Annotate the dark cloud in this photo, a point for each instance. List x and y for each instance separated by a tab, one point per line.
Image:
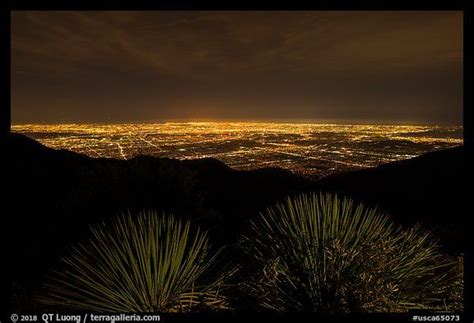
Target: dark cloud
135	66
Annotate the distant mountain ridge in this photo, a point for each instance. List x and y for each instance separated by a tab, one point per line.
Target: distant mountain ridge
420	179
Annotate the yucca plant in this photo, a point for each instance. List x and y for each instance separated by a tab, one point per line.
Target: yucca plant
319	252
145	263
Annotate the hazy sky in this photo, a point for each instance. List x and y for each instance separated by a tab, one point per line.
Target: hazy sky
151	66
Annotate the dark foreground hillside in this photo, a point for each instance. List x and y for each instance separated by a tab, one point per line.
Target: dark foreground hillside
53	196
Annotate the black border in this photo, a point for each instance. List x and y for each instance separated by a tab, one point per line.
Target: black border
466	6
469	154
240	5
5	111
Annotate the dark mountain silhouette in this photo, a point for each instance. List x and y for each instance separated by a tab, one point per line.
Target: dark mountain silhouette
429	189
55	195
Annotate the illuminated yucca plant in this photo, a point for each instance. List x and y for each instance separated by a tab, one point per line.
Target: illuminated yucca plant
149	262
318	252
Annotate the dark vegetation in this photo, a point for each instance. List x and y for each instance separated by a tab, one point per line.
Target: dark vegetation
321	253
53	198
145	262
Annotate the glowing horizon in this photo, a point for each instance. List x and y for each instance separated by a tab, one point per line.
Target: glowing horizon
262	121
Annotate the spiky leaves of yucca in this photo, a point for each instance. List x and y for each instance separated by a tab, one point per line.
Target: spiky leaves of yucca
318	252
143	263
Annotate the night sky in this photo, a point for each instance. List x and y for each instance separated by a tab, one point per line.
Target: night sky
389	67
